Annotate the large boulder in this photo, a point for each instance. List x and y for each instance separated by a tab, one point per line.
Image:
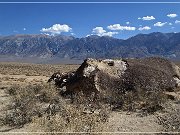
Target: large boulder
109	76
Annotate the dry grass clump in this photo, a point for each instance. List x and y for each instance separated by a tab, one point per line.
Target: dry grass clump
28	101
141	89
41	105
143	85
147	78
145	102
157	63
83	114
170	119
74	119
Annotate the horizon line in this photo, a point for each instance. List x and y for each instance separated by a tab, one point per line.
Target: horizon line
89	36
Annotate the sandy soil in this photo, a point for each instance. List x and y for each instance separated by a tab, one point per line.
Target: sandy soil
133	122
118	121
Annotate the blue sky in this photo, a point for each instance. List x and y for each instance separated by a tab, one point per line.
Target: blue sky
80	20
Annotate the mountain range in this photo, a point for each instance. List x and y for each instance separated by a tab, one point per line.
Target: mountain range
61	46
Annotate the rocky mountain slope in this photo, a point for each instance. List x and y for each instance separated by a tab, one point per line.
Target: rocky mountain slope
44	46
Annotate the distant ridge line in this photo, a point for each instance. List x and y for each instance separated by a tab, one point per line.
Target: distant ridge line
142	45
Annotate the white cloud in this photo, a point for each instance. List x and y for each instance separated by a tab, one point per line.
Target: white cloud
101	32
177	21
46	34
73	34
24	29
146	18
119	27
144	28
57	29
170	24
98	30
127	23
159	24
110	34
172	15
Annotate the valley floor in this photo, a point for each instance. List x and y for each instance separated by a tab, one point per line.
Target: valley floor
119	121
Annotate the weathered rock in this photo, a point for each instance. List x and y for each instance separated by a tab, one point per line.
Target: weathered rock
107	76
177	81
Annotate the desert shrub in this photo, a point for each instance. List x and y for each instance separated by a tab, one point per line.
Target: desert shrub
27	102
147	78
158	63
12	90
170	119
140	100
42	105
73	118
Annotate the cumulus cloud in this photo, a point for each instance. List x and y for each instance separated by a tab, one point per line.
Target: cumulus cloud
172	15
170	24
147	18
144	28
24	29
101	32
177	21
127	23
57	29
98	30
159	24
110	34
119	27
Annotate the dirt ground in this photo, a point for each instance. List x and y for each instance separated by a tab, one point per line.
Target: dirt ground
119	121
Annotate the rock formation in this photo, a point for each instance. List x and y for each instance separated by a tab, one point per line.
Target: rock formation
109	76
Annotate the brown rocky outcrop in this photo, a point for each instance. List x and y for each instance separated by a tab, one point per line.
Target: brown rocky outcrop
109	76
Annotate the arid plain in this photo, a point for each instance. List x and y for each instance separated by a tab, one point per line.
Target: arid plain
16	78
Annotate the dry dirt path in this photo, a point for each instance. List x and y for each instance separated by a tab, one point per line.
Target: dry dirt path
133	122
20	79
